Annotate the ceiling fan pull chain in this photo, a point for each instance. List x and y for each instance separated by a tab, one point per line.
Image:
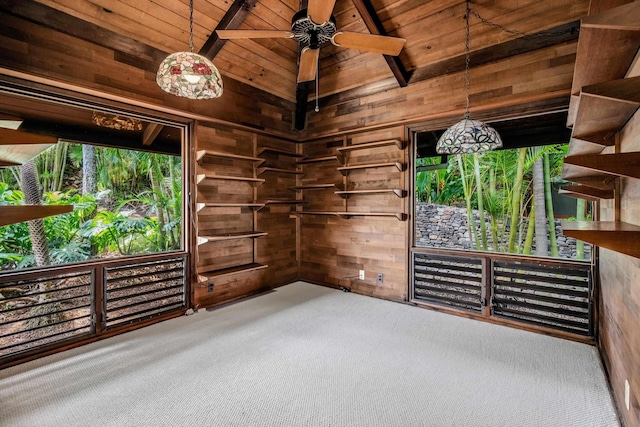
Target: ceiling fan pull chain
317	109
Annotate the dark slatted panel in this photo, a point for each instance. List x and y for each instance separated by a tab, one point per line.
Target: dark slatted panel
44	310
553	296
141	291
448	280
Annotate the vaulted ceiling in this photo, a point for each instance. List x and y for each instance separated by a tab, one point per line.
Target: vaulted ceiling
434	32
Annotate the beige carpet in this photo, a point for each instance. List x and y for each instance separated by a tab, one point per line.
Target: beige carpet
305	355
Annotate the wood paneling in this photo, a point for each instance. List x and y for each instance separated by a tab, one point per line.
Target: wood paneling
333	249
125	67
536	74
619	321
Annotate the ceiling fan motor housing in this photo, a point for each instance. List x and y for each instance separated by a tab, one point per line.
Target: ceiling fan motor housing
309	33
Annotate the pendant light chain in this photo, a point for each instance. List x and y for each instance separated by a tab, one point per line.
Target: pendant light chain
467	61
190	25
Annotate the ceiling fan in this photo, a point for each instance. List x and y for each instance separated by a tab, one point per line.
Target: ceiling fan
315	26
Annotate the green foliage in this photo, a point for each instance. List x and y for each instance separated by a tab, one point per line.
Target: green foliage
120	219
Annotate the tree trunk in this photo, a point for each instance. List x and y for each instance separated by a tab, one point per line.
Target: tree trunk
32	196
515	201
530	231
549	205
483	226
89	169
580	208
155	175
473	235
542	247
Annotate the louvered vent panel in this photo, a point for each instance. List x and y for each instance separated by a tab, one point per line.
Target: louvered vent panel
553	296
448	280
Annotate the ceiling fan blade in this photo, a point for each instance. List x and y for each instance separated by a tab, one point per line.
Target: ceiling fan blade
319	11
308	64
254	34
369	42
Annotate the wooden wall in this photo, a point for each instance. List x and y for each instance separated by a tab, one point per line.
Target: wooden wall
619	321
542	74
335	248
276	250
127	68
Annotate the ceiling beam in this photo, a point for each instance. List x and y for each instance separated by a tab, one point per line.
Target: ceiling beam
374	24
150	133
231	20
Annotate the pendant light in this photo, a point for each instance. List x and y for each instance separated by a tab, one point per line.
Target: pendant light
189	74
468	136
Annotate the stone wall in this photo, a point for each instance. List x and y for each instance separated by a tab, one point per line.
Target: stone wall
446	227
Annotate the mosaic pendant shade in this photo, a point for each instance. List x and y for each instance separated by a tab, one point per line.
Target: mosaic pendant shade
189	75
468	136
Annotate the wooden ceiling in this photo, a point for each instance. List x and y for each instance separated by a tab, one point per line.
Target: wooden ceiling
434	30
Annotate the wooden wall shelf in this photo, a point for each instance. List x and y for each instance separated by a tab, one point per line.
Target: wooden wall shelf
231	236
614	235
344	170
604	109
399	215
284	202
398	143
317	160
397	191
201	206
252	181
278	151
621	164
607	45
202	154
16	214
313	187
279	170
18	147
216	274
586	193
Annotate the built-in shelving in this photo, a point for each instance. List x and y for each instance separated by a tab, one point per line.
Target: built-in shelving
317	160
614	235
279	170
313	187
398	143
203	154
16	214
231	236
397	191
620	164
216	274
604	108
278	152
344	170
252	181
201	206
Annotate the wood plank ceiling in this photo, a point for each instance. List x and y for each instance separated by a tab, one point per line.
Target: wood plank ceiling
434	30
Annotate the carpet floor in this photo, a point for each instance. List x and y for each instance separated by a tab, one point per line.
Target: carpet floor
306	355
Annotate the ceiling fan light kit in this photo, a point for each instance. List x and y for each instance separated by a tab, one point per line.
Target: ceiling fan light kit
189	74
468	136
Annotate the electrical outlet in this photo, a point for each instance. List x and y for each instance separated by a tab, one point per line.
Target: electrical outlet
361	275
379	277
627	394
210	287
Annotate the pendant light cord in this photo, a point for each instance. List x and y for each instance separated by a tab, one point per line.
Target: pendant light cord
190	25
467	61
